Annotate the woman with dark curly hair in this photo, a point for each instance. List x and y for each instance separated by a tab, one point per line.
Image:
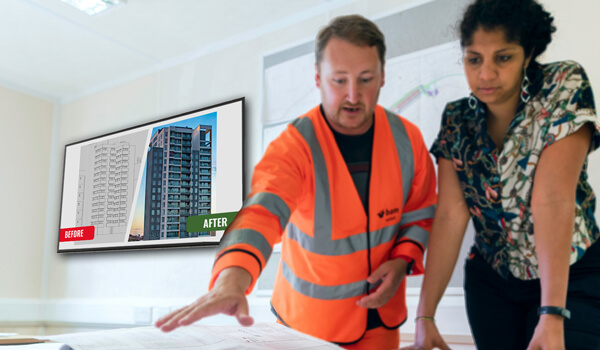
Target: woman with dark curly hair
513	157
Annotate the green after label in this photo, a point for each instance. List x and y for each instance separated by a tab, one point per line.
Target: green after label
210	222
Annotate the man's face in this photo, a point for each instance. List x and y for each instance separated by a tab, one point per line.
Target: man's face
349	77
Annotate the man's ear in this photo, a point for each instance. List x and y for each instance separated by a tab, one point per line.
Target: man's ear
317	76
382	77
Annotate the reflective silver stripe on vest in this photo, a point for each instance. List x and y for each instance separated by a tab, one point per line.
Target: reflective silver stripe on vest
322	213
342	291
405	152
273	203
417	215
415	233
247	236
342	246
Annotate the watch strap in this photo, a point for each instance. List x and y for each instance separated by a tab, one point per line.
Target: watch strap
554	310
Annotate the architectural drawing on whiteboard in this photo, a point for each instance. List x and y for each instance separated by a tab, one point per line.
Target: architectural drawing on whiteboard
108	177
417	86
290	89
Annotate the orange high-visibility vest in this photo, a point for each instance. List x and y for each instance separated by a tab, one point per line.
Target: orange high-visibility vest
303	195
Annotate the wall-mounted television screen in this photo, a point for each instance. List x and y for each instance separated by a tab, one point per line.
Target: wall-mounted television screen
170	183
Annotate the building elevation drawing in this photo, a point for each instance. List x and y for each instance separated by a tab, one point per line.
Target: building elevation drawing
108	176
178	181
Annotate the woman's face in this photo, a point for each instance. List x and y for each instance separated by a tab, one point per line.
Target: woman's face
494	68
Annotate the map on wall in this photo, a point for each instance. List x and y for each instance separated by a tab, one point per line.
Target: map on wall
417	86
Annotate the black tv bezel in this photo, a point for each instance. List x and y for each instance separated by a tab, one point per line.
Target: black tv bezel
134	247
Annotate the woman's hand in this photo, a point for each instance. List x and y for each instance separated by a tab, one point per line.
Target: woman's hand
427	337
549	334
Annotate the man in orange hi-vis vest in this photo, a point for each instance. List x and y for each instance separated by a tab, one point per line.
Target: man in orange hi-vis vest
349	190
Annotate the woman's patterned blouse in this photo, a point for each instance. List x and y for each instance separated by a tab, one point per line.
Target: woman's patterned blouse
497	184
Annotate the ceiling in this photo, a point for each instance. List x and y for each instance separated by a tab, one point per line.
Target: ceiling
54	51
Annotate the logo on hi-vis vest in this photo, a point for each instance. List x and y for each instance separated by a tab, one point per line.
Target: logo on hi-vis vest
387	213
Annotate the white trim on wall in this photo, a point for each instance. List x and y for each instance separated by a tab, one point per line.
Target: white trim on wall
128	312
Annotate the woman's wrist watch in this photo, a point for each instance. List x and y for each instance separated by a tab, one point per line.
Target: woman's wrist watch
554	310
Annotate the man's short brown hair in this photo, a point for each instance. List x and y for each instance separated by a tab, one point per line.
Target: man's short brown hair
354	29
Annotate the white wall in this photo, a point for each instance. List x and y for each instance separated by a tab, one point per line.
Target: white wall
26	126
577	28
113	287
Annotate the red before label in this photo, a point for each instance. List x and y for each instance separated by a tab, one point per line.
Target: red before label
84	233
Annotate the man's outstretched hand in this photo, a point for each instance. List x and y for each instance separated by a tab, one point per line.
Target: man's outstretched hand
227	297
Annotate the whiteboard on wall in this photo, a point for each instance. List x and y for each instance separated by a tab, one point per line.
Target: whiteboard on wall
423	72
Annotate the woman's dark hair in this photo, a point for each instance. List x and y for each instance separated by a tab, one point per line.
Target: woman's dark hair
523	21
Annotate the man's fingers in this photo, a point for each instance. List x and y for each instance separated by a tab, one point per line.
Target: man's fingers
245	320
371	301
378	274
365	301
171	321
379	297
235	307
187	314
204	309
370	304
242	313
163	320
227	297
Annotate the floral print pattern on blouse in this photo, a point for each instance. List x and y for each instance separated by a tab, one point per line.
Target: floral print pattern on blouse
498	184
